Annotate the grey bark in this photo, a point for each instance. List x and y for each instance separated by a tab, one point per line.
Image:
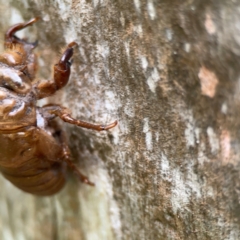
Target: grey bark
169	72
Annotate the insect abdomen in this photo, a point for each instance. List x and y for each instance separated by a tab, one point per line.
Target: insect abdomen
43	182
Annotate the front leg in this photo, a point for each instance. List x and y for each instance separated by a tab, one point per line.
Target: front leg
10	37
62	72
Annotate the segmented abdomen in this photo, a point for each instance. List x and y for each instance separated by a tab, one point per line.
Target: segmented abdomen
38	181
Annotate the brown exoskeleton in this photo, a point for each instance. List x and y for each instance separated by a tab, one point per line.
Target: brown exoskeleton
33	152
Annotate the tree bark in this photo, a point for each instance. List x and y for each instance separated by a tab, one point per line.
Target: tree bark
168	71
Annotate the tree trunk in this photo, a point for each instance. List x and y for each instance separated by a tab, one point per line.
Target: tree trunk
168	71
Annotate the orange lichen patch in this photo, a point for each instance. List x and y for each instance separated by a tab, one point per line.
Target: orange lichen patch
225	142
208	81
209	24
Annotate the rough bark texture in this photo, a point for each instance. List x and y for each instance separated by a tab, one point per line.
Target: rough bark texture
169	72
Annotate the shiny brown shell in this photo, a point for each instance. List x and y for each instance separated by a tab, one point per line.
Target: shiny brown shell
34	154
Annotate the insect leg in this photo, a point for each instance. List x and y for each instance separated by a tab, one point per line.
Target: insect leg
67	155
71	165
11	38
62	72
65	115
62	68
